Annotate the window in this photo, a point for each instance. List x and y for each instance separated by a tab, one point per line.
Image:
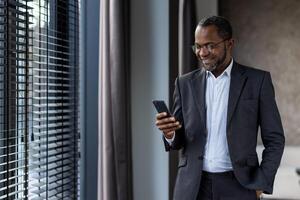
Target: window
39	135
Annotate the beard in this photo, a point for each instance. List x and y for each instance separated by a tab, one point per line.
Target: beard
217	63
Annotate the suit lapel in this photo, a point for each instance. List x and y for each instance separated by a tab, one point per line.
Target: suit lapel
198	91
237	82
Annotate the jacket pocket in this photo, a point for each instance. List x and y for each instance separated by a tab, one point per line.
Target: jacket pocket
182	161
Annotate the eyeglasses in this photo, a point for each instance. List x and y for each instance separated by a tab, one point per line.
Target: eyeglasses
209	47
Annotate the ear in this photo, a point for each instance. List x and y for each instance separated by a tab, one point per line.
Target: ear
231	43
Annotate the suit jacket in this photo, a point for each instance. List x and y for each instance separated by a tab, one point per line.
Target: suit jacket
251	105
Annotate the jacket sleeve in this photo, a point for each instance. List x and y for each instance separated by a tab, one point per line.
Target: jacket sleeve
271	131
179	139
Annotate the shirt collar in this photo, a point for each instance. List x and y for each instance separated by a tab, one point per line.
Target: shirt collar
227	71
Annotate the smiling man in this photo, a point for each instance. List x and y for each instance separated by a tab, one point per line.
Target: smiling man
216	115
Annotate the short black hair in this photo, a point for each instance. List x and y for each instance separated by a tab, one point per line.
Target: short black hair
222	24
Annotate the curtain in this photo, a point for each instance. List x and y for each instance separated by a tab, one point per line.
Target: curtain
114	153
186	28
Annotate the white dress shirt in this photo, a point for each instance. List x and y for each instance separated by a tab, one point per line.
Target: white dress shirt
216	155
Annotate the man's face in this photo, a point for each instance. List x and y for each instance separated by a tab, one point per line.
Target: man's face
212	50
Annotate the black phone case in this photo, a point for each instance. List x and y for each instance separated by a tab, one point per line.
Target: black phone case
161	106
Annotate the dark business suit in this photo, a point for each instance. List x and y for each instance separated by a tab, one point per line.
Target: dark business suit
251	104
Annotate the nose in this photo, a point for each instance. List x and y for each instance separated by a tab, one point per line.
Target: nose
203	52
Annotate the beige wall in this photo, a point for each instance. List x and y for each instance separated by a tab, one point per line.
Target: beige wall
206	8
267	36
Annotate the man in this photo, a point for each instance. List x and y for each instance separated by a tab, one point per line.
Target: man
217	111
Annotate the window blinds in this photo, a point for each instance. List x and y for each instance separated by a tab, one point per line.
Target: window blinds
15	91
39	136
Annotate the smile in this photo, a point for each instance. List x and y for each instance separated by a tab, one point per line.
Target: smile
206	61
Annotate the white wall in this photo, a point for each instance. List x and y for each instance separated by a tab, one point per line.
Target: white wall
149	80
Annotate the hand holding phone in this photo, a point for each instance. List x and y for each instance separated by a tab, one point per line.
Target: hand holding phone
164	120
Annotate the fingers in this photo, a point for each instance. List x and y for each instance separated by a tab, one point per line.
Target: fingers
172	129
164	120
161	115
169	127
167	124
258	193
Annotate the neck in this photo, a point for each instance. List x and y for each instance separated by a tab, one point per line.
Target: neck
220	69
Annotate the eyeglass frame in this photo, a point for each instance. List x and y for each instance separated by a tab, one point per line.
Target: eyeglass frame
209	46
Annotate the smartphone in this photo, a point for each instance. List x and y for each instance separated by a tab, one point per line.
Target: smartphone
161	107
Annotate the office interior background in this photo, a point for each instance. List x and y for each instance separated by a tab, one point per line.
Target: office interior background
77	80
